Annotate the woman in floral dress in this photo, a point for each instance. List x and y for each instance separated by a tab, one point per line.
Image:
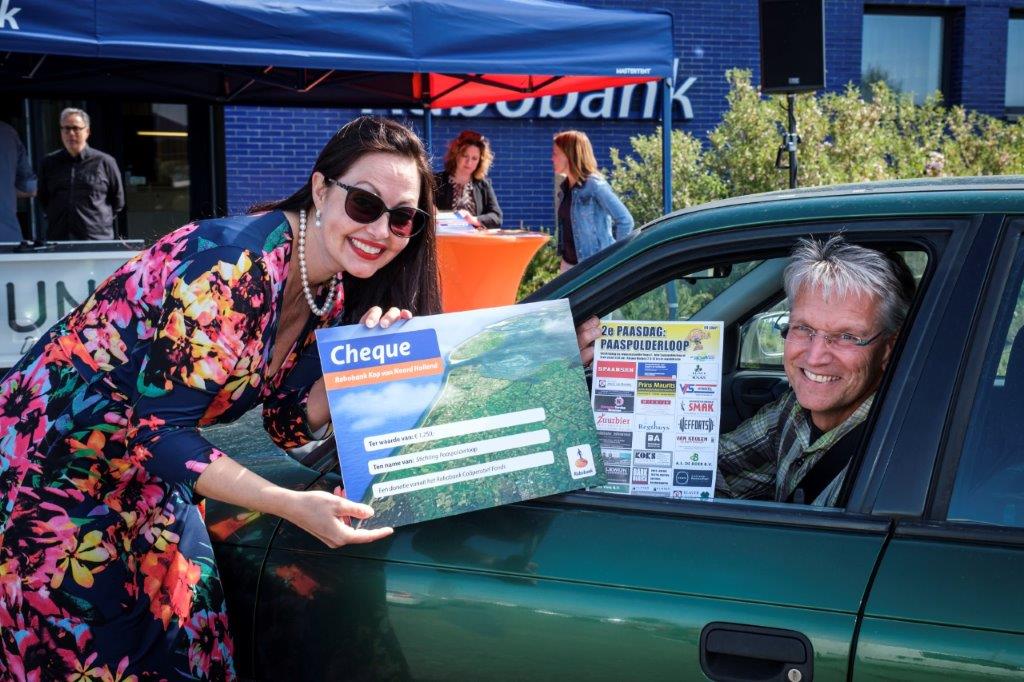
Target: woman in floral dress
106	568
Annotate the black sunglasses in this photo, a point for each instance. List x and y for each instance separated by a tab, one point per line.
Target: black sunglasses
365	207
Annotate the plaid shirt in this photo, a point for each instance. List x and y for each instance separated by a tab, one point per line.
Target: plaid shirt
767	456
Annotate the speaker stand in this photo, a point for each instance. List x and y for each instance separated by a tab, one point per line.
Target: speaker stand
790	140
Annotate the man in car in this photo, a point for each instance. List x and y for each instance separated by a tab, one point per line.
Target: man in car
847	304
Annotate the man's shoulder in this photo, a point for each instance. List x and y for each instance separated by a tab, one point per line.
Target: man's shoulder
99	155
54	157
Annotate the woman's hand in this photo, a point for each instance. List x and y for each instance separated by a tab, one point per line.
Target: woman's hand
588	331
475	222
326	517
319	513
376	316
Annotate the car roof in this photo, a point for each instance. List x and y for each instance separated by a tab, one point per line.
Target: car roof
920	197
924	197
997	189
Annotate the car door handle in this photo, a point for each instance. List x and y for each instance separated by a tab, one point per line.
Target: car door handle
731	652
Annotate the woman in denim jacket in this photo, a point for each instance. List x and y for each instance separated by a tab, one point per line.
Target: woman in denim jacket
590	216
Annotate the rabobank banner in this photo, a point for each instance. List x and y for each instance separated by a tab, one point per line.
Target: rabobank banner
445	414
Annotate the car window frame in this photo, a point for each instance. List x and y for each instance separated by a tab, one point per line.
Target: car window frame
1008	249
932	234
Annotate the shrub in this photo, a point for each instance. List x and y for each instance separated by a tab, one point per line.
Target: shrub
844	137
848	136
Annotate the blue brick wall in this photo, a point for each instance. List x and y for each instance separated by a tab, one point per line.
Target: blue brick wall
270	151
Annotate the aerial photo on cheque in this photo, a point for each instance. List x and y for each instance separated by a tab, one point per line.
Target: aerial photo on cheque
474	410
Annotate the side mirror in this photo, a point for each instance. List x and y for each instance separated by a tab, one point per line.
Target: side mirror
761	342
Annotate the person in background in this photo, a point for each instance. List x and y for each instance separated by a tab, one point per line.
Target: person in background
106	565
17	181
463	185
80	187
590	216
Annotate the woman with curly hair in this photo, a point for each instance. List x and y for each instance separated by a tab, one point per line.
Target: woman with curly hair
463	185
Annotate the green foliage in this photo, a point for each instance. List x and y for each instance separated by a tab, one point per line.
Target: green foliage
845	137
540	270
638	176
851	136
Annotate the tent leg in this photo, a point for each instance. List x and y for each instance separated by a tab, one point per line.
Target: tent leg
428	130
666	179
666	144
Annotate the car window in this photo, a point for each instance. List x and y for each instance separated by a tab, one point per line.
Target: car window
989	486
748	297
680	298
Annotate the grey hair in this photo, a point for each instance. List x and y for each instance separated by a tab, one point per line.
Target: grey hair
71	111
839	269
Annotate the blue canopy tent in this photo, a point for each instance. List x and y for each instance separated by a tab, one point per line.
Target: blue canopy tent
360	53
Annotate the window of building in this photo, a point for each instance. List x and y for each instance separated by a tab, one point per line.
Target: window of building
904	50
1015	64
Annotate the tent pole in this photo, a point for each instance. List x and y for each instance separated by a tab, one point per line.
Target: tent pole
666	179
428	129
666	145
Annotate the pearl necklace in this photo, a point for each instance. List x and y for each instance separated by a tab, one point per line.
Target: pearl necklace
329	303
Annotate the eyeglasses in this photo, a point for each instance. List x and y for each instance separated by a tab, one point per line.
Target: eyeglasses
365	207
802	335
72	129
470	136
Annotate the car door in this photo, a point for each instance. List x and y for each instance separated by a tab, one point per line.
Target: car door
948	598
604	586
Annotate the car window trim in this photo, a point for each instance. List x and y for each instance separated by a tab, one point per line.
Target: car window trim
897	481
776	514
1008	250
660	264
960	532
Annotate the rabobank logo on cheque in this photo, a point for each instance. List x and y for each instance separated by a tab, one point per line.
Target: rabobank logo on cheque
379	358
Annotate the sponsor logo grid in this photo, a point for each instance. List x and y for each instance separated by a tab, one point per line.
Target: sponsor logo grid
657	405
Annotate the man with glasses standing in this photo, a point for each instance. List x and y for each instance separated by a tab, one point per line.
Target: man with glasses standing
80	187
847	304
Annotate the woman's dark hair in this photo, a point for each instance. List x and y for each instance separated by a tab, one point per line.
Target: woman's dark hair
410	280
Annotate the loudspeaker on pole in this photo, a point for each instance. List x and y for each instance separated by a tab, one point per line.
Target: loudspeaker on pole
792	45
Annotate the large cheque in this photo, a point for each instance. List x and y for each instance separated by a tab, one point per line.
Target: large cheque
446	414
657	398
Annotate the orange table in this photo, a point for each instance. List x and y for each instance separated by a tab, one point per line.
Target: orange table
483	269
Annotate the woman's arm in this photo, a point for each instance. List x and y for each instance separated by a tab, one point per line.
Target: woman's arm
321	514
490	213
622	221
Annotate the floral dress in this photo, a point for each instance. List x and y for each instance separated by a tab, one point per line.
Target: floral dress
106	568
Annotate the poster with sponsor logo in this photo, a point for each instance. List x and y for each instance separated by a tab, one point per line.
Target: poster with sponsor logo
445	414
657	406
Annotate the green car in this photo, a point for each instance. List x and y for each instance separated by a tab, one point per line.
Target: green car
917	573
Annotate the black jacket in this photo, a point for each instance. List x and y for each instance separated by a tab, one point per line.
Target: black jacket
488	211
81	195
